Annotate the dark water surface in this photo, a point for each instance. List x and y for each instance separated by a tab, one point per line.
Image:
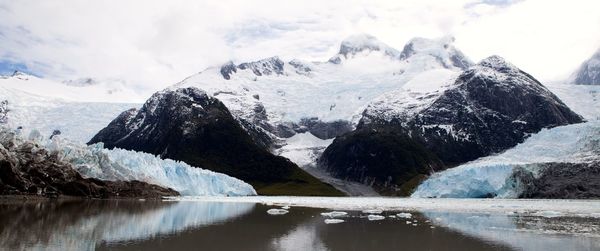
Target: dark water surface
157	225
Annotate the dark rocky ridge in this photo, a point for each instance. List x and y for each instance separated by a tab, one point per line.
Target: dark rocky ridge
266	66
28	169
383	157
318	128
491	107
560	180
188	125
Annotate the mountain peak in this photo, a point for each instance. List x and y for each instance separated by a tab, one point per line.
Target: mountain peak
266	66
359	43
498	63
442	49
589	72
21	75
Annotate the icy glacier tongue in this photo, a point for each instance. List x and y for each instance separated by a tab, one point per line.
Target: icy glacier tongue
117	164
303	149
493	176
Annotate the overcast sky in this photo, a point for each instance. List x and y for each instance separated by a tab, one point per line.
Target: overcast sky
152	44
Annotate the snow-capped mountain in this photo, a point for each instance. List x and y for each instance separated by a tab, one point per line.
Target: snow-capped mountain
589	72
488	108
277	95
190	125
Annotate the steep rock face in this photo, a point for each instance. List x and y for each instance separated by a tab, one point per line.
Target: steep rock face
27	168
383	157
189	125
589	72
560	181
3	111
489	108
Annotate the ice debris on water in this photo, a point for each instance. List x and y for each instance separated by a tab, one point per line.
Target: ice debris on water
375	217
404	215
372	211
333	221
334	214
277	211
548	214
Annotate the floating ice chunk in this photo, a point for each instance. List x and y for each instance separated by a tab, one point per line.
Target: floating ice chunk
277	211
372	211
333	221
414	224
374	217
548	214
285	207
404	215
334	214
408	222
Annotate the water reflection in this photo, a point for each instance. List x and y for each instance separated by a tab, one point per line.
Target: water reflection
525	232
156	225
82	225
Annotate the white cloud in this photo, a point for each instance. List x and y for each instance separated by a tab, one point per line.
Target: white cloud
153	44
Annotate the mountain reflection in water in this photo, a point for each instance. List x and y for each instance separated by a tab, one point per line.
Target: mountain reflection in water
162	225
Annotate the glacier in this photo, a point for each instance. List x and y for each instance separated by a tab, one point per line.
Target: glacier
492	176
76	120
95	161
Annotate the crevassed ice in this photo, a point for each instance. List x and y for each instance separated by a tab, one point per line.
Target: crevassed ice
118	164
491	176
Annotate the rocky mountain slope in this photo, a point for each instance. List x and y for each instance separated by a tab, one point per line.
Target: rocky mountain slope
189	125
589	72
488	108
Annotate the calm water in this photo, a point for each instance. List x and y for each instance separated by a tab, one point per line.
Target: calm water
152	225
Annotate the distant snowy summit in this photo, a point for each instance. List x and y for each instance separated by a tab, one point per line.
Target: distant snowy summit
277	95
76	90
589	72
